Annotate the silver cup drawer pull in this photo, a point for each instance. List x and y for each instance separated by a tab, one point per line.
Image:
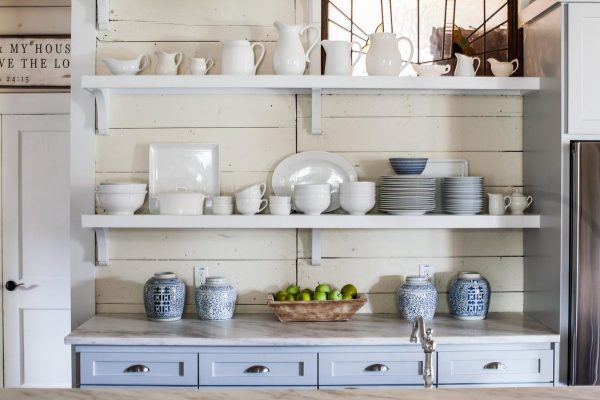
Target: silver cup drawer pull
377	368
495	365
257	369
137	368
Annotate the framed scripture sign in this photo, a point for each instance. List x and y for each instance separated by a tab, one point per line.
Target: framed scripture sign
35	61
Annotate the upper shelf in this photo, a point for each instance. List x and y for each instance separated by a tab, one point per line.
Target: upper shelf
299	221
103	86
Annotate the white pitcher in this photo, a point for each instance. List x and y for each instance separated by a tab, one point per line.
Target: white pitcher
168	63
238	57
503	68
384	56
465	65
289	57
339	57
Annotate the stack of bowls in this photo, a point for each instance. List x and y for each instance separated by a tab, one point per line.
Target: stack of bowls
120	198
357	198
463	195
312	199
408	166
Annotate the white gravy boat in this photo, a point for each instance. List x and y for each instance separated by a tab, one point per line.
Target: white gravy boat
127	67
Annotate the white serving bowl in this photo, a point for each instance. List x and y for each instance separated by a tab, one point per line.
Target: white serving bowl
121	187
312	205
120	203
357	205
280	208
312	188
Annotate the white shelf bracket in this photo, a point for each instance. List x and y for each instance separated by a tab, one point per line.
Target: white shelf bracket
316	247
102	107
102	258
316	111
102	14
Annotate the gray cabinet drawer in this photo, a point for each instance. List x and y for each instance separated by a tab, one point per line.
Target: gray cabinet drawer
371	368
262	369
139	369
527	366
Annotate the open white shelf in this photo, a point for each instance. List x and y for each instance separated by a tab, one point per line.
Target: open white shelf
316	85
102	223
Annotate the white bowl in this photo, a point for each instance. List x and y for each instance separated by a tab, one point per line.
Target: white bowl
354	205
320	187
431	69
120	203
312	205
121	187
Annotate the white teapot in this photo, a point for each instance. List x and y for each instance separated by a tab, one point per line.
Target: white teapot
519	202
384	56
339	56
289	57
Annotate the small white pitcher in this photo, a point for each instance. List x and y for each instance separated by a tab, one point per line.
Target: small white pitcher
465	65
168	63
238	57
289	57
339	57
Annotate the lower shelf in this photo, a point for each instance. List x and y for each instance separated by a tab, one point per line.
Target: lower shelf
102	223
300	221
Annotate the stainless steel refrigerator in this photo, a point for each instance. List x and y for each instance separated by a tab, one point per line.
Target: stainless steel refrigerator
584	354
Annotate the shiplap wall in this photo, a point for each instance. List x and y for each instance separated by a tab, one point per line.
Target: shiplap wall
254	133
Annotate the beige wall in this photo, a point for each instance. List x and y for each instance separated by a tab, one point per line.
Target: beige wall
254	133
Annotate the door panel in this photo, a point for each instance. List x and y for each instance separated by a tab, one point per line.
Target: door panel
35	218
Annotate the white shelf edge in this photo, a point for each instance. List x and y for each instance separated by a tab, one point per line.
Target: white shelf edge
299	221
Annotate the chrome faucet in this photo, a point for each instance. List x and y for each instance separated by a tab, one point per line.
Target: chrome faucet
422	335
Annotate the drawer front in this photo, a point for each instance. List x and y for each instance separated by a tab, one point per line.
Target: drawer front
139	369
533	366
371	368
262	369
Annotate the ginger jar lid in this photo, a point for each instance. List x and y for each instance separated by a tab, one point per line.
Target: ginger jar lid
165	275
215	281
469	275
417	280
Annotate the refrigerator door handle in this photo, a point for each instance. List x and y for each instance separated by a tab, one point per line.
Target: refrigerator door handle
575	210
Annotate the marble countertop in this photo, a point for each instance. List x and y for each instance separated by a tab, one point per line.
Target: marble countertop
575	393
266	330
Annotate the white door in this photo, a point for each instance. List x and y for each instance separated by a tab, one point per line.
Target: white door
35	251
584	60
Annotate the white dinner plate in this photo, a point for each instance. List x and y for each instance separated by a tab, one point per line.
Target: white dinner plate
313	167
194	166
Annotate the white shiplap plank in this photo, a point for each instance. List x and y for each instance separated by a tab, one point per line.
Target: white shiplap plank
185	111
205	12
35	21
139	31
35	3
413	134
498	168
201	244
413	105
239	149
122	282
128	50
385	275
415	243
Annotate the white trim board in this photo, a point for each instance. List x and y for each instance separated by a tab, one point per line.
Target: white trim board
34	103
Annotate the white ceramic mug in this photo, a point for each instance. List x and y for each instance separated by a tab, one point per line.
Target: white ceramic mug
168	63
498	203
256	191
201	66
251	206
222	209
222	200
519	204
280	208
280	199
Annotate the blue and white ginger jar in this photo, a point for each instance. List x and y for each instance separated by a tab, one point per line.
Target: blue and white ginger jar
469	296
416	297
215	299
164	297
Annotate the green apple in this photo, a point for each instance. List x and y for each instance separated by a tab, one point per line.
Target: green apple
347	297
292	289
290	297
335	295
323	287
280	296
304	296
349	289
320	296
307	290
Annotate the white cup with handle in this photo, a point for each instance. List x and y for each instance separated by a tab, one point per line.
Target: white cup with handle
201	66
498	203
256	191
250	206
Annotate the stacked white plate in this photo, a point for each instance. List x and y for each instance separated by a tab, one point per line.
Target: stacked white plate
406	195
463	195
